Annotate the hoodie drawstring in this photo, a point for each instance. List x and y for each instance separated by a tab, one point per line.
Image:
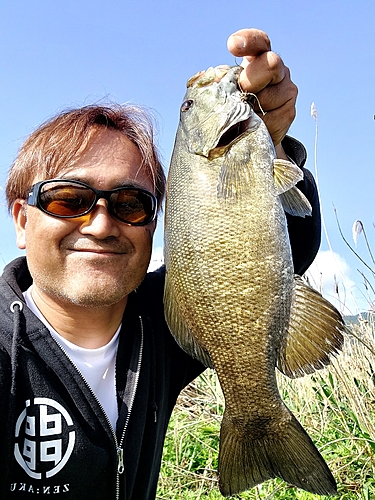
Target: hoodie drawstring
16	308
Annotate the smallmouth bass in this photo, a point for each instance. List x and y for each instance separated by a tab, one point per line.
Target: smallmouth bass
231	297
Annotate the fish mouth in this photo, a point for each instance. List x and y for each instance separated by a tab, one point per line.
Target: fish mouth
232	135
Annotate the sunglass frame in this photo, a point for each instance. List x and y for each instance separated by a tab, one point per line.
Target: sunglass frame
33	199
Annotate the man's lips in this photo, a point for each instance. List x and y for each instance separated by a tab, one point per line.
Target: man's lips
84	246
97	252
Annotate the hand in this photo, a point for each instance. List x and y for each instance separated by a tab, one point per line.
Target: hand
266	76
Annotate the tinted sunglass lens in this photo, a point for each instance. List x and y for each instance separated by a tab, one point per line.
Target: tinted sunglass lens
132	206
66	200
62	198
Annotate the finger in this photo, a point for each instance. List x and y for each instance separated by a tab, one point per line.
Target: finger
274	96
279	104
266	69
279	120
248	42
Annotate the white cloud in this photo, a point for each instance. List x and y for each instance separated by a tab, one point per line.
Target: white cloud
157	258
330	275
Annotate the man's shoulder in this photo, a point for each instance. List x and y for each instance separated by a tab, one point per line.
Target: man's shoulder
17	274
150	294
154	281
295	150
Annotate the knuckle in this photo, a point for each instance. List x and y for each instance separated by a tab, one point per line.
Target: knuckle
275	64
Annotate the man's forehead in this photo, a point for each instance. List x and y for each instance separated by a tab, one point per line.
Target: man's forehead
110	162
103	146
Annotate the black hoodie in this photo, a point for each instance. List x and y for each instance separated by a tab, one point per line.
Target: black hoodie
55	438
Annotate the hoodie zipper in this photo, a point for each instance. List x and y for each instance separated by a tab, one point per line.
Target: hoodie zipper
118	444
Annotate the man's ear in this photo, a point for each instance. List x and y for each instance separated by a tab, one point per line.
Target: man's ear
19	213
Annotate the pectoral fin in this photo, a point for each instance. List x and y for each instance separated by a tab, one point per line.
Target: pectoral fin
316	331
286	176
180	331
234	181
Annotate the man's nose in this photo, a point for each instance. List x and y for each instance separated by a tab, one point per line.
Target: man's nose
99	222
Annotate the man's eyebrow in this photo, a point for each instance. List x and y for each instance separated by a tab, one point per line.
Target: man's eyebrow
128	183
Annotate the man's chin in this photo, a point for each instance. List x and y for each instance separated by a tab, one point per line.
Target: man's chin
97	299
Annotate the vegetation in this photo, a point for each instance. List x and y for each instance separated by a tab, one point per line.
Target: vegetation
335	406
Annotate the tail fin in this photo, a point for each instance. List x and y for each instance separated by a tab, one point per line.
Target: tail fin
248	458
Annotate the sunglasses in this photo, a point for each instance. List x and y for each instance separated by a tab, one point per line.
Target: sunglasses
69	199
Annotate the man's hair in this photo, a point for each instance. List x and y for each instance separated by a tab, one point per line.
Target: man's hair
59	143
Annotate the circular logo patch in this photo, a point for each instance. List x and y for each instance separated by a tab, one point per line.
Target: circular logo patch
44	438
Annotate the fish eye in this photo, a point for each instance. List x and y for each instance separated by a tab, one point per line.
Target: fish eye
187	105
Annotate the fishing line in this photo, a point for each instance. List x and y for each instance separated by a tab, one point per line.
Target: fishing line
249	96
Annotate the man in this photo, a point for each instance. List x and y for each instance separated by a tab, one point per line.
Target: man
89	372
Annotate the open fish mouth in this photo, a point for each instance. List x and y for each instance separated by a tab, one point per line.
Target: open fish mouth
232	135
234	132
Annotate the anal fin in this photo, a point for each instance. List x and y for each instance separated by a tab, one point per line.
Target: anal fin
316	331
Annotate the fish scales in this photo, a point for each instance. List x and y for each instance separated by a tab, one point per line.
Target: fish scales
224	293
230	286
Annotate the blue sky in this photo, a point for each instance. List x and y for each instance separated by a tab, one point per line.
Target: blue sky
60	54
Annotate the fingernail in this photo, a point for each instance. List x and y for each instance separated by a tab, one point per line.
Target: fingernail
238	41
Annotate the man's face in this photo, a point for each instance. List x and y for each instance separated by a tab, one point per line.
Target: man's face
94	260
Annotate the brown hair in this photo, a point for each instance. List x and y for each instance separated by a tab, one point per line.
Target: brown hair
59	142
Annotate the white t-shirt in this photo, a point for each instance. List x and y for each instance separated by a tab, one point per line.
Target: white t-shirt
96	365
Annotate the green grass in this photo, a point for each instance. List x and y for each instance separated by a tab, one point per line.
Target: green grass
336	406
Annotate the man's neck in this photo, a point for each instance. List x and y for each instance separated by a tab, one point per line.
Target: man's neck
87	327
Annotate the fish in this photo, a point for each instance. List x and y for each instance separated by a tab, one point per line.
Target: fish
231	297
